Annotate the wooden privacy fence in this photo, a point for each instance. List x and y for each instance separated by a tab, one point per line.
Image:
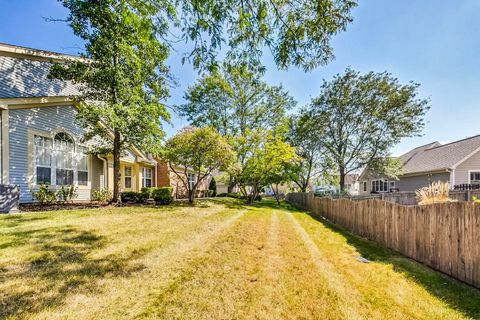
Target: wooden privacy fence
443	236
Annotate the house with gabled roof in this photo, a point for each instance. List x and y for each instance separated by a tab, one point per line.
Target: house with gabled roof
41	141
457	163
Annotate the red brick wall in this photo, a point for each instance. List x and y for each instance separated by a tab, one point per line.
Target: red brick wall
163	174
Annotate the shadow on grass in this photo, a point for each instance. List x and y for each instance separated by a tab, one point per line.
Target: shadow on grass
60	264
458	295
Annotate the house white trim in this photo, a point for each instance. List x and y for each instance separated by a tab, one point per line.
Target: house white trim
470	171
5	147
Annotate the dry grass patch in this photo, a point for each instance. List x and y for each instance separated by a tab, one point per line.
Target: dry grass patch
217	260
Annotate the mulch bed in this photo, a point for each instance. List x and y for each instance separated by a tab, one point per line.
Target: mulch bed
30	207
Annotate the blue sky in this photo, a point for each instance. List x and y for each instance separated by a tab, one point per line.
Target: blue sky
432	42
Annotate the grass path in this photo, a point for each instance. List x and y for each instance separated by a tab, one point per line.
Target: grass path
218	260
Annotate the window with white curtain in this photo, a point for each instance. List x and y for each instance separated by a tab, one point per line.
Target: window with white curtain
43	160
147	177
64	149
128	177
60	161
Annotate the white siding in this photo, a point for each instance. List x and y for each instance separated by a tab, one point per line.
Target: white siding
461	172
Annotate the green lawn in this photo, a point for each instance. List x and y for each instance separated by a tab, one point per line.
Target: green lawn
217	260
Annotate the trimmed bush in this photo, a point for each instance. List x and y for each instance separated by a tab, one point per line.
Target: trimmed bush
131	196
222	195
147	192
163	195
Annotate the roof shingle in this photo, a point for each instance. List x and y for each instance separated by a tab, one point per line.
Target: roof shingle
434	156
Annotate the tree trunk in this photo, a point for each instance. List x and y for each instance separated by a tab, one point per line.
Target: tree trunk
116	167
342	178
191	196
251	197
231	185
275	193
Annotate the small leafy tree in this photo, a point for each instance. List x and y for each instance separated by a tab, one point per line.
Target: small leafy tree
235	100
263	159
360	117
199	149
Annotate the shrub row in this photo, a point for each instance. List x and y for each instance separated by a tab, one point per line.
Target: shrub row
161	195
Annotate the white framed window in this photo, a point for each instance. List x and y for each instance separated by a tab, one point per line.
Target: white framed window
192	179
64	149
127	177
82	166
364	186
43	160
59	161
147	177
392	185
475	177
379	186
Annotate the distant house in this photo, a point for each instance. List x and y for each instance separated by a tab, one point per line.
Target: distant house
352	185
457	163
41	139
167	178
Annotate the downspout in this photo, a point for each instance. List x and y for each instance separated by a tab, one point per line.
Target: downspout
105	171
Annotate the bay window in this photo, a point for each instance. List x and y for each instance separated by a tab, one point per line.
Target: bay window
82	166
63	159
43	160
380	186
59	161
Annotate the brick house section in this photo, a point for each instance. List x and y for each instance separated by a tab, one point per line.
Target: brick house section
163	175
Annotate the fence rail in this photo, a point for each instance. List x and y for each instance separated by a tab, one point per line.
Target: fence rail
443	236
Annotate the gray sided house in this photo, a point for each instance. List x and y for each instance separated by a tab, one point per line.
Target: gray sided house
41	141
457	163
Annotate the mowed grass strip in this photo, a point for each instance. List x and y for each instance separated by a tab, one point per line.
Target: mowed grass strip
54	263
391	285
216	260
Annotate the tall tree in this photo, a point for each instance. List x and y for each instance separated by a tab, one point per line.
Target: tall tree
234	99
307	141
202	150
122	76
361	116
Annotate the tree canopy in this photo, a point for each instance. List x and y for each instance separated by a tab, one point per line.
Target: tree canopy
121	75
202	150
234	99
262	159
361	116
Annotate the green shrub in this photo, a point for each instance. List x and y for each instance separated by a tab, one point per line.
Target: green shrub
102	195
131	196
44	196
147	192
67	193
163	195
223	194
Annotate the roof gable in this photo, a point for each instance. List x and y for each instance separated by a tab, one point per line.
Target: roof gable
435	157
